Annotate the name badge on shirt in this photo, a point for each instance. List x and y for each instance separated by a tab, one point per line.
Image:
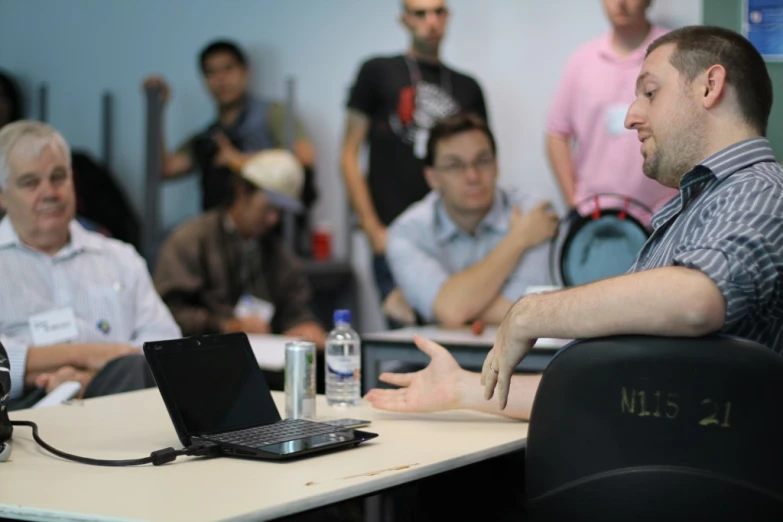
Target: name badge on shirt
615	118
420	138
252	305
53	327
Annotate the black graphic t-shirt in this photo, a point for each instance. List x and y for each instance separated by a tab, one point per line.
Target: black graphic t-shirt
403	99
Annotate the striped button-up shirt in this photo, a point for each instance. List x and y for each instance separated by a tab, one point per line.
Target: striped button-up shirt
728	223
104	281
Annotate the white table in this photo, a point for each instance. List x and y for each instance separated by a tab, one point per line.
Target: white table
468	349
35	485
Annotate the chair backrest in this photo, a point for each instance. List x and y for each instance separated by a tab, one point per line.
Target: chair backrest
653	428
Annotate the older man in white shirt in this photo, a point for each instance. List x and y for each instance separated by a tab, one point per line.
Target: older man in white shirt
71	300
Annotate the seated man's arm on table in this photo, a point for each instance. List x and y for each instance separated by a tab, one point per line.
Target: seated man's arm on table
496	311
29	362
179	280
454	299
443	385
467	293
532	270
484	281
292	296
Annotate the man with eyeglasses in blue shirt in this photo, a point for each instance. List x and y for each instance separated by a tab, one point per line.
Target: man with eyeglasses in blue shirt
469	249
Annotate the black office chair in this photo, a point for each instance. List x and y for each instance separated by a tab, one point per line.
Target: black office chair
637	428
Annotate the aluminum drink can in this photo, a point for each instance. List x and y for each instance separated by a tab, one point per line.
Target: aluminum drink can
300	380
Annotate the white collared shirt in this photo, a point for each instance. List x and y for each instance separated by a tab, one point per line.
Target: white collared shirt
103	280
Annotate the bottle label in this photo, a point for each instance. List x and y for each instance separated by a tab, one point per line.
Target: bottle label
344	367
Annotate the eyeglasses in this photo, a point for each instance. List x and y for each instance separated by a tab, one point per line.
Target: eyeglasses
422	13
481	165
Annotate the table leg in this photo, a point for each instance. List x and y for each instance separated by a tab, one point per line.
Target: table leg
373	508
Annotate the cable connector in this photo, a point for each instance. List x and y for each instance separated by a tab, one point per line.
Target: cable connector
205	449
164	456
167	455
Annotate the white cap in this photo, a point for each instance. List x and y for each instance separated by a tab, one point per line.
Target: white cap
278	173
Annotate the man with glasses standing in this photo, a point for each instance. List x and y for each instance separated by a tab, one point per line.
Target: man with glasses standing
469	249
393	104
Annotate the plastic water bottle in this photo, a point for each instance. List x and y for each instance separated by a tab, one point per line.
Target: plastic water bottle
343	362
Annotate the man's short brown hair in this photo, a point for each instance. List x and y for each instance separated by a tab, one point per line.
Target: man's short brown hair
699	47
453	125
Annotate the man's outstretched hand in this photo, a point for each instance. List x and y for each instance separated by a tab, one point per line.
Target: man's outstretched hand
435	388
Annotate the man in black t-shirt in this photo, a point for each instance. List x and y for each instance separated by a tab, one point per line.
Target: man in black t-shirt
393	104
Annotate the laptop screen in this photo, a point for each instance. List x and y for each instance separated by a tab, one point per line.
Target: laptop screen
213	384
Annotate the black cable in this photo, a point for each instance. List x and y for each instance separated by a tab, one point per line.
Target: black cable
156	458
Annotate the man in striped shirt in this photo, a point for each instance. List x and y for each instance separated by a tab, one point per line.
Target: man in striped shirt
715	260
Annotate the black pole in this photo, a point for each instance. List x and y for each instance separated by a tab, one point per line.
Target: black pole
43	103
289	219
107	116
154	167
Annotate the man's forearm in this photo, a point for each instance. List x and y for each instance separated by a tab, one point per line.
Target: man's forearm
304	152
520	398
359	192
668	301
173	164
49	358
559	153
80	355
496	311
466	294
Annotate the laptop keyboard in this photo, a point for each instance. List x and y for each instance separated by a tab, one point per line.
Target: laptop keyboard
281	431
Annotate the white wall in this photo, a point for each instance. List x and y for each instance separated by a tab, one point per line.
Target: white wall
515	48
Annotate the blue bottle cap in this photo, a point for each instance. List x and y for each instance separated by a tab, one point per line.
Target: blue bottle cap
342	316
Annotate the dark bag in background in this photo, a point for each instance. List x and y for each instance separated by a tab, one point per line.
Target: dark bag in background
102	200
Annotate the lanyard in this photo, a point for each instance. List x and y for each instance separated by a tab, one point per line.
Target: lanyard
416	78
245	271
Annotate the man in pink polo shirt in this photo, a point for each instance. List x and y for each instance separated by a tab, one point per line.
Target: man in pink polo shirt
589	149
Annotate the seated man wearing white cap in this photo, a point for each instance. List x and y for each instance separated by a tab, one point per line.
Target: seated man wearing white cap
223	272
